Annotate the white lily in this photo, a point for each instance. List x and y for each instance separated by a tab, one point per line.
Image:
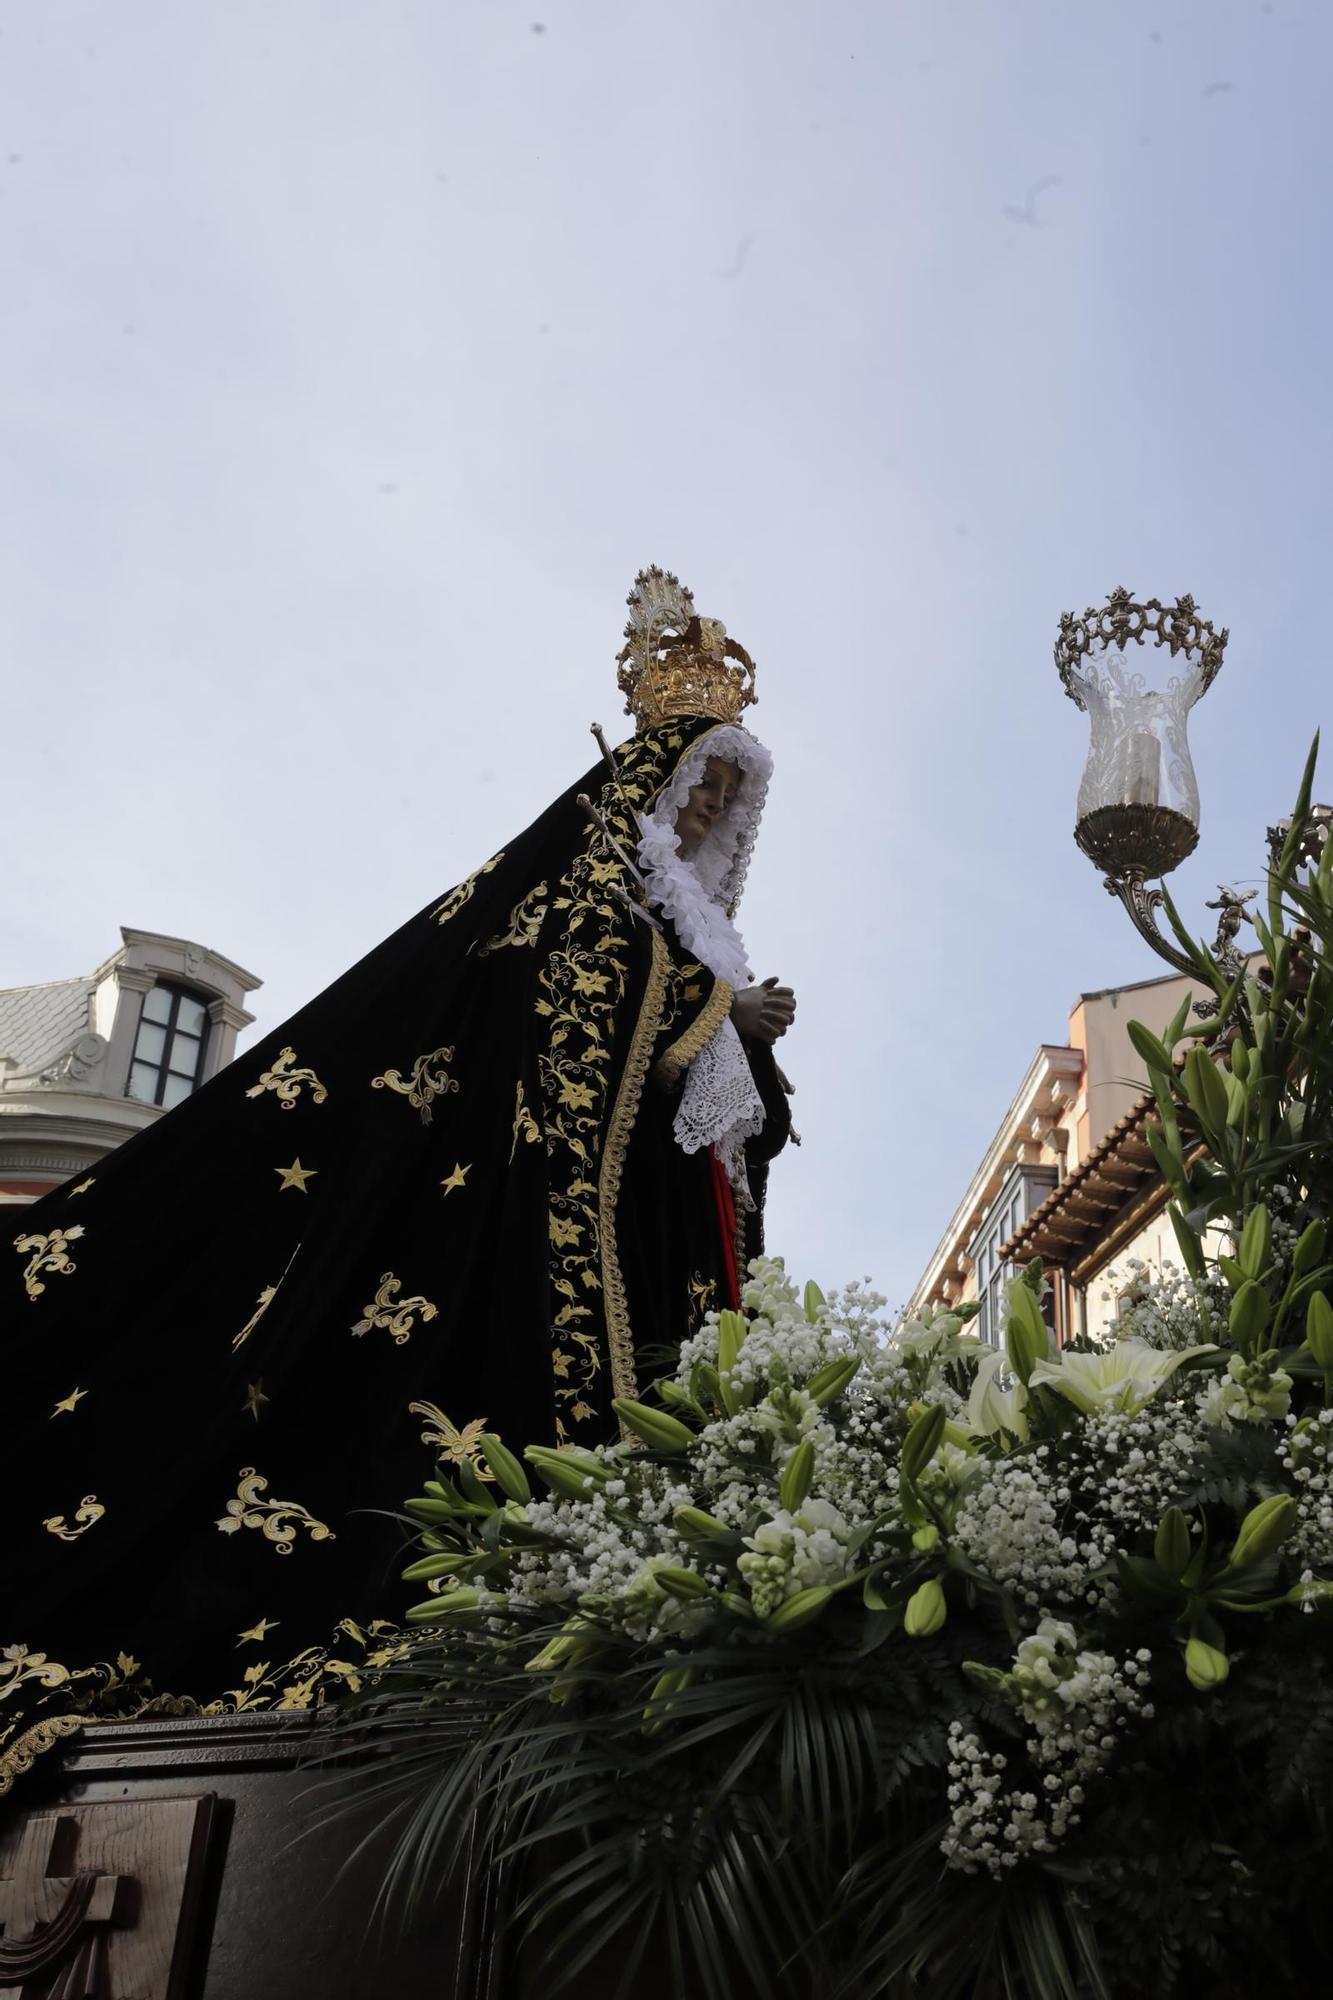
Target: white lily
1126	1377
991	1408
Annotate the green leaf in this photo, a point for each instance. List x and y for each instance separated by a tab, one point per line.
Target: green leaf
1189	1245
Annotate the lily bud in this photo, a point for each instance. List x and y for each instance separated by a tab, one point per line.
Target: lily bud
797	1475
925	1539
813	1302
1205	1666
1319	1330
659	1430
559	1472
926	1609
508	1474
922	1442
1205	1089
1256	1242
694	1521
1251	1310
677	1581
831	1380
1171	1545
800	1609
1309	1249
429	1566
1264	1530
436	1610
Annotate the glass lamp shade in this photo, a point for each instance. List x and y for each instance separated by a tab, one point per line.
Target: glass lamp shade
1138	803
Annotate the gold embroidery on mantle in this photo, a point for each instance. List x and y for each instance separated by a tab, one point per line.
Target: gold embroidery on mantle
255	1399
277	1520
17	1665
50	1254
427	1081
287	1082
456	898
619	1337
395	1315
703	1298
65	1407
671	1066
83	1186
525	922
89	1511
449	1442
458	1178
262	1304
525	1125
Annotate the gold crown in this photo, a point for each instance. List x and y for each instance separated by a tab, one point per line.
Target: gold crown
674	662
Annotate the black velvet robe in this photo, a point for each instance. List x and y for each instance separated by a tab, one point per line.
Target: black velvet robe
444	1197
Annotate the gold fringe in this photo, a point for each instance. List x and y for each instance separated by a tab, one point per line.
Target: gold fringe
620	1339
24	1751
671	1067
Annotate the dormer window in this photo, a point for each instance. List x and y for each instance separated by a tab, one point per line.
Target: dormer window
169	1048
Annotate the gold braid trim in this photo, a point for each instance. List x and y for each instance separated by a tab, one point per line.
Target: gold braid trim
620	1339
671	1067
24	1751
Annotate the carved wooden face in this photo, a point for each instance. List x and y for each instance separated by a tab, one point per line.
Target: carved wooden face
705	804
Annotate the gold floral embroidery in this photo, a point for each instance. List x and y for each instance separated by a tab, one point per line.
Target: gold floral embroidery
525	922
306	1680
83	1186
525	1125
703	1297
262	1304
458	1178
619	1337
449	1442
17	1665
33	1743
582	986
66	1406
456	898
395	1315
50	1254
287	1082
89	1511
671	1066
427	1082
277	1520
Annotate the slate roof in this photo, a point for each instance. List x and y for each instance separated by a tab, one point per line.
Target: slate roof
38	1023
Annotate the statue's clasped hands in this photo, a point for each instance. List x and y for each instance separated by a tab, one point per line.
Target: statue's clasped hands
763	1012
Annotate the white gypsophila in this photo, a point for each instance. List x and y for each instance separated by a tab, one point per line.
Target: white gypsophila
1015	1522
1164	1307
1128	1467
1308	1457
1075	1702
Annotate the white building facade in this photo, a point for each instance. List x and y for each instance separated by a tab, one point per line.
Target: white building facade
86	1063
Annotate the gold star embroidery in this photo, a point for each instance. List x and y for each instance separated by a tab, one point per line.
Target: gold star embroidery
295	1176
255	1398
256	1633
68	1402
458	1178
84	1186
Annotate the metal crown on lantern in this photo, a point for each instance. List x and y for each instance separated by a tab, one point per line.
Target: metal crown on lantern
1138	803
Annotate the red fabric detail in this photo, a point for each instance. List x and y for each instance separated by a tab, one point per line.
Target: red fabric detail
725	1202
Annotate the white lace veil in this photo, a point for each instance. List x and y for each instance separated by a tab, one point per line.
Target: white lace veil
699	896
720	1105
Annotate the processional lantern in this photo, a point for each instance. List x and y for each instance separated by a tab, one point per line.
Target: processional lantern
1137	670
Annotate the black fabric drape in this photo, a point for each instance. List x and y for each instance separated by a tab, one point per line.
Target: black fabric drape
443	1197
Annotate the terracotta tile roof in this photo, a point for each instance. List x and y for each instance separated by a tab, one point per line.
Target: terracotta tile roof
1066	1224
38	1023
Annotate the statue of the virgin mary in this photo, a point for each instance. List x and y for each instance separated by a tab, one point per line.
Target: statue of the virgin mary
470	1187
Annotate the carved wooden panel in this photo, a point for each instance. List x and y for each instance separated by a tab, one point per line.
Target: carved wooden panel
99	1902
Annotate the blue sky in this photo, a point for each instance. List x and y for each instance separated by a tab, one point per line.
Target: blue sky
353	358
